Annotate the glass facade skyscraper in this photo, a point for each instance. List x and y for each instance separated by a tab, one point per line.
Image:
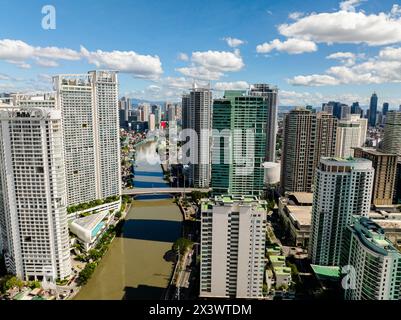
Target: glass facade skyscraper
373	110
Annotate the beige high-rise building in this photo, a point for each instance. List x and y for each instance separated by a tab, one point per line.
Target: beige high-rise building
350	134
385	165
308	136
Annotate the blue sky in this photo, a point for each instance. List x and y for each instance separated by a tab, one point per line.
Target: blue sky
313	51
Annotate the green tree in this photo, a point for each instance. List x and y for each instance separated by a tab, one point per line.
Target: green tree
182	244
86	273
94	254
118	214
34	284
12	282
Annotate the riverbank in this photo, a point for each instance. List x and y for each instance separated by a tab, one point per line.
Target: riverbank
136	265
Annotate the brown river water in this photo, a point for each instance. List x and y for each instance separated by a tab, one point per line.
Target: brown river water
134	266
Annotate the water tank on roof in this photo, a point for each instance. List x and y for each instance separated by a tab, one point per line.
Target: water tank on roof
272	172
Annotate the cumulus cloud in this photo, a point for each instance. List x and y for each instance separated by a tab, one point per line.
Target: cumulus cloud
200	72
21	54
383	68
46	63
233	42
314	80
236	85
291	46
165	89
212	65
4	76
183	56
347	26
295	15
294	98
140	66
347	58
350	5
221	61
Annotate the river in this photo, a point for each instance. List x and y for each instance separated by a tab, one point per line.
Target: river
134	266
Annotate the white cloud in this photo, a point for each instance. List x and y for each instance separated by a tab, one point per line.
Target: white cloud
219	61
396	10
236	85
140	66
18	52
233	42
4	76
347	58
295	15
211	65
46	63
314	80
350	5
383	68
294	98
347	27
291	46
199	72
183	56
390	53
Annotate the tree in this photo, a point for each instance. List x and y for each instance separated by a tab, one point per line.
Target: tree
94	254
118	214
13	282
182	244
198	195
86	273
34	284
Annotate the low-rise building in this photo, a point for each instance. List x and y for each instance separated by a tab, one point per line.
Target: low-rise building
282	276
390	222
90	229
295	211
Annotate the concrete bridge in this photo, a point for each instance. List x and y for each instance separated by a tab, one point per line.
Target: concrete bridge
150	191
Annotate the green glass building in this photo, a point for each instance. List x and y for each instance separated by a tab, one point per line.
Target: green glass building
239	142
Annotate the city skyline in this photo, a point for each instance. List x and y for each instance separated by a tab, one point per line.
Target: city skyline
308	67
179	152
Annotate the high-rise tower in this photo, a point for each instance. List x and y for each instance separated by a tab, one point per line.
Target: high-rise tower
307	137
33	204
343	188
89	106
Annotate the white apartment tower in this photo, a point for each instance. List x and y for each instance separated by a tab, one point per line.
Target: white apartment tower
33	215
350	134
343	189
89	106
233	235
375	261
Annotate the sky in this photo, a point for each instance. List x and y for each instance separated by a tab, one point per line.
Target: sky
313	51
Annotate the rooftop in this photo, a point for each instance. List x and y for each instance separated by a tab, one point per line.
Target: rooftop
302	214
92	221
375	152
282	271
372	235
302	197
326	271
